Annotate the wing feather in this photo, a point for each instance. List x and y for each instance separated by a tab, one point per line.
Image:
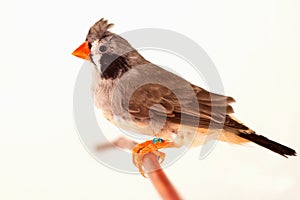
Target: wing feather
172	99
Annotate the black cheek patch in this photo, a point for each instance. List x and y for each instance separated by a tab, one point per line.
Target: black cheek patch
113	66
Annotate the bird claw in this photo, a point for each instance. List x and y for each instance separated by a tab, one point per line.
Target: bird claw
150	146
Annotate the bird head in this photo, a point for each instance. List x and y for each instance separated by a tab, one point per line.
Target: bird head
111	54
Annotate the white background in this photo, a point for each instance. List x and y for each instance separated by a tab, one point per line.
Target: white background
255	46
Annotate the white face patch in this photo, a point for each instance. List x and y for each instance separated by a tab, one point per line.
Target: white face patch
96	59
94	46
96	55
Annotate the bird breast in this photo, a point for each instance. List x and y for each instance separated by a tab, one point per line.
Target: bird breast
103	92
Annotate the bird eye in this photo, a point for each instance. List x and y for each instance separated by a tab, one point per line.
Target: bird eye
102	48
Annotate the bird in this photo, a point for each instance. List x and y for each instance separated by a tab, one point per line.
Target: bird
137	95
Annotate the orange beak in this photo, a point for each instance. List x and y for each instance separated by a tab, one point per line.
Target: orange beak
82	51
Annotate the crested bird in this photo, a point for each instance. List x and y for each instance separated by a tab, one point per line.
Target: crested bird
137	95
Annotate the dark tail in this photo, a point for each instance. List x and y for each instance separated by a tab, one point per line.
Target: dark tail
269	144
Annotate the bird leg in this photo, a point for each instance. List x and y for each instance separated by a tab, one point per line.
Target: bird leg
150	146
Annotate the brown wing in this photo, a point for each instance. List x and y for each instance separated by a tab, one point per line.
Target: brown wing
148	91
161	101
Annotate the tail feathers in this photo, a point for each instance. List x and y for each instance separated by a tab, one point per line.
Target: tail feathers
269	144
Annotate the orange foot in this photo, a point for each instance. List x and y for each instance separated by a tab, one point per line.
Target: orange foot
150	146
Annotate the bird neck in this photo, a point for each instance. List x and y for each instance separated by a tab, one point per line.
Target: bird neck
114	66
135	59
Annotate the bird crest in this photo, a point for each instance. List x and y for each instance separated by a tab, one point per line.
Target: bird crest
99	30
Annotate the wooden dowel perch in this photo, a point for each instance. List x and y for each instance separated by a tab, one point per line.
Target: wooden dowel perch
152	168
158	178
